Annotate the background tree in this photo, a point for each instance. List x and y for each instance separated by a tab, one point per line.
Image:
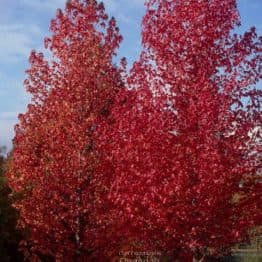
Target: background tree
182	146
2	160
9	235
54	158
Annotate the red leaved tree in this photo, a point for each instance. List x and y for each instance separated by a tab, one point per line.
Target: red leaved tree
183	161
54	160
169	165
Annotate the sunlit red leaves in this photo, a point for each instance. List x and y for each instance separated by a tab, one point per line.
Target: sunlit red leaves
156	163
181	148
54	160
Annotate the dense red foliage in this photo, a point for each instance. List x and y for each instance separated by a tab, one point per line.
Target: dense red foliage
183	163
53	158
166	163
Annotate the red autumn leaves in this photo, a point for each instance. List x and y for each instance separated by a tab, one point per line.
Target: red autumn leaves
152	160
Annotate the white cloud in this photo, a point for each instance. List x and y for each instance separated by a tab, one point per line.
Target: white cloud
13	90
52	5
43	5
111	5
125	19
122	5
20	27
139	2
6	132
8	115
17	40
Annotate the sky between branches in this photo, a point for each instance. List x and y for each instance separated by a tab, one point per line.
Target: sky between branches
24	24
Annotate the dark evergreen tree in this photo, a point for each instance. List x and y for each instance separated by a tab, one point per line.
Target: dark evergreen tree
9	235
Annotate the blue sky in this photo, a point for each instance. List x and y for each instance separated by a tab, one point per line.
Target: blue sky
24	24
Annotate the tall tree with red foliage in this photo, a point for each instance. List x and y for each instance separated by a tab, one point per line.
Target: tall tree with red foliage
53	160
183	158
165	164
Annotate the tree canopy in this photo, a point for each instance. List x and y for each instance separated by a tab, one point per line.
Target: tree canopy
163	157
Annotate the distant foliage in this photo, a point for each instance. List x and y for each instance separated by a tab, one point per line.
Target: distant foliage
9	235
